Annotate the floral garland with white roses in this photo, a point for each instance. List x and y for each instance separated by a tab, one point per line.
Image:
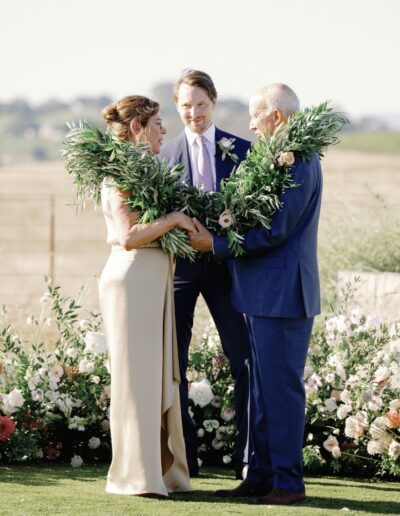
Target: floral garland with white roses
251	196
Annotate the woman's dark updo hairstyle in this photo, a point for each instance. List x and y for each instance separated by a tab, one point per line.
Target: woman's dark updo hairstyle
134	107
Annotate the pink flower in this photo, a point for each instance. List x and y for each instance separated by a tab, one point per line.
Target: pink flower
228	414
286	158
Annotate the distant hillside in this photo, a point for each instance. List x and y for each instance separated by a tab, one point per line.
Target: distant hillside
35	133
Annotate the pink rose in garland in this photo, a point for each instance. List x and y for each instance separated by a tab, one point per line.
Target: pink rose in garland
7	427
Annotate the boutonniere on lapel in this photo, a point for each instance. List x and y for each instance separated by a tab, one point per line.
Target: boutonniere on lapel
226	147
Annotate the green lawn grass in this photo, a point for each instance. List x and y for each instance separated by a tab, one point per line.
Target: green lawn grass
26	490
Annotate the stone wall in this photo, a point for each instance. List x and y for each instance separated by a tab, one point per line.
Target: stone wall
378	293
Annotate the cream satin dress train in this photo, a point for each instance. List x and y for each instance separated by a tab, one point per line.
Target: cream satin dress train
136	298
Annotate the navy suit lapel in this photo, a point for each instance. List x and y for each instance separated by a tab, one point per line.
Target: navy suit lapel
223	168
184	158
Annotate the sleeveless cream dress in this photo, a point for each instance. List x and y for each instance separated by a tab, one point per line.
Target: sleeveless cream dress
136	298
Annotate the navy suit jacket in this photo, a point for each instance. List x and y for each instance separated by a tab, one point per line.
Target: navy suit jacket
278	275
177	151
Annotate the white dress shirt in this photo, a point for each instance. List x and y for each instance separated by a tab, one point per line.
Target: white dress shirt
209	135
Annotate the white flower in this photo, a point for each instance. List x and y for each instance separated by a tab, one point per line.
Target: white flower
362	416
375	447
225	219
314	382
217	444
378	430
381	374
330	324
337	323
226	459
86	366
228	414
336	453
84	324
394	450
330	404
105	425
340	371
375	404
53	383
52	395
76	461
72	352
94	442
345	396
201	392
30	320
394	404
226	143
38	395
15	398
96	343
45	299
208	426
12	401
200	433
77	423
56	372
330	378
307	371
372	322
343	410
330	443
216	401
42	371
95	379
395	381
226	146
354	428
286	158
192	375
355	316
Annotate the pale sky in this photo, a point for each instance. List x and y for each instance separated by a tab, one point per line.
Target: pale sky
343	50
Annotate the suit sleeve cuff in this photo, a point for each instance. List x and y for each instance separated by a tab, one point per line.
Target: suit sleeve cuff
221	248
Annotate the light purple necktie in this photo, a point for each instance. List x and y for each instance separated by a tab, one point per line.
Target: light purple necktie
206	180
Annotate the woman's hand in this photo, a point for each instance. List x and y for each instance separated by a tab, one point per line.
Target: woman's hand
182	221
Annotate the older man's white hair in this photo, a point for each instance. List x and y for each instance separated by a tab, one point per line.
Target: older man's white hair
279	96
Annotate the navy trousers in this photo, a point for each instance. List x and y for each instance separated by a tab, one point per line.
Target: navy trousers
279	348
213	281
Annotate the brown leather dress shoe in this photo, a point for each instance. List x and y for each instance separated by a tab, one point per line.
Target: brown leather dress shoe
278	496
244	489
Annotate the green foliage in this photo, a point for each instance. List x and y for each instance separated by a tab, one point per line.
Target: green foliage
58	400
363	239
249	197
352	383
312	459
215	419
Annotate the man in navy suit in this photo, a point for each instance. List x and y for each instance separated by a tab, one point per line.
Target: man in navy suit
276	284
206	165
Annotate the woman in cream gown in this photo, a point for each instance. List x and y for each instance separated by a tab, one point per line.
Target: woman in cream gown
136	297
